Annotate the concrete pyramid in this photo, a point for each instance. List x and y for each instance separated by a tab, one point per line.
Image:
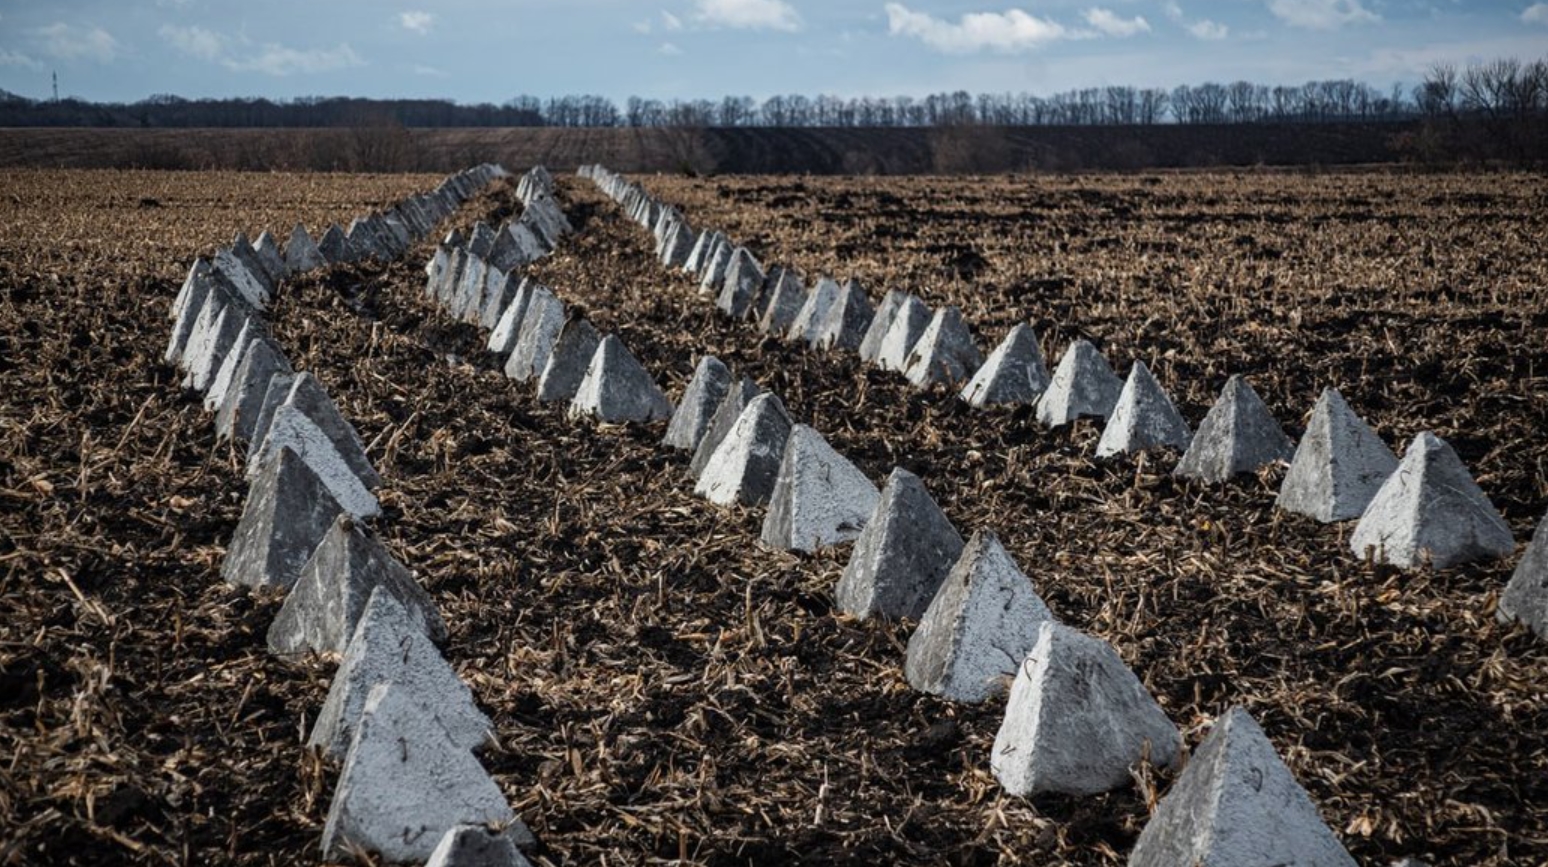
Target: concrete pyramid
1430	511
508	327
881	320
405	782
335	247
745	466
269	257
1014	373
237	274
444	286
478	846
287	514
698	257
1238	435
616	388
908	323
906	550
945	353
364	241
1082	385
743	278
213	336
292	429
710	383
1338	466
782	303
187	308
1078	720
254	264
468	300
216	394
978	627
713	275
481	239
540	328
301	253
386	643
1143	419
820	498
764	294
308	395
273	398
499	288
721	423
1237	804
1526	596
320	613
568	362
238	413
808	322
679	243
847	321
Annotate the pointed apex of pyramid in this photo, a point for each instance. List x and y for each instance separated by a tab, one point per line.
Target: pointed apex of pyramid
301	253
287	513
820	498
847	319
387	644
908	323
1083	385
335	247
721	423
540	327
405	783
291	428
1078	720
1143	419
1430	511
238	413
712	276
1237	803
782	303
618	389
1013	374
742	279
348	565
808	321
709	386
1338	466
945	353
901	557
881	320
978	628
744	467
479	846
1526	596
1238	435
568	362
502	339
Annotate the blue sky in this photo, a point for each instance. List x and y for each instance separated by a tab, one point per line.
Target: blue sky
491	50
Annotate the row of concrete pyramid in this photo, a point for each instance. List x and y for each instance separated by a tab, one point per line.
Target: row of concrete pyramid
398	717
1426	511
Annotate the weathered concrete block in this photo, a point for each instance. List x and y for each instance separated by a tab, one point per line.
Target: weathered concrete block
808	322
847	320
238	414
820	499
567	364
540	328
721	423
1078	720
1526	596
1143	419
335	247
1339	465
301	253
1238	435
508	328
698	257
908	323
945	353
679	243
1014	374
481	240
468	299
1083	385
881	320
478	846
710	383
215	395
1430	511
287	514
308	395
713	276
906	550
783	302
618	389
743	277
745	466
291	428
246	279
268	253
213	336
499	288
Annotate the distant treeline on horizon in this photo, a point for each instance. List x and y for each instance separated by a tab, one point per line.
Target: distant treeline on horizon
1498	88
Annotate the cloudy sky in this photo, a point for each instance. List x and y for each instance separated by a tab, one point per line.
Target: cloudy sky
491	50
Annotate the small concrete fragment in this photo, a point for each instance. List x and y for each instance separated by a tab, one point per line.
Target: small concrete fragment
745	466
1526	596
1238	435
906	550
568	362
978	628
1339	465
508	327
618	389
301	253
782	304
847	320
1431	512
1078	720
710	383
478	846
808	322
1013	375
287	514
386	644
820	499
1083	385
908	323
238	414
291	428
721	423
321	610
405	783
1237	804
743	277
1143	419
945	352
540	328
881	320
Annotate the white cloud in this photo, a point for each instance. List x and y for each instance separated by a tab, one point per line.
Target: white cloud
196	41
1013	30
65	42
1321	14
669	49
748	14
1537	13
1172	10
417	21
670	21
281	60
1110	24
1208	30
16	58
